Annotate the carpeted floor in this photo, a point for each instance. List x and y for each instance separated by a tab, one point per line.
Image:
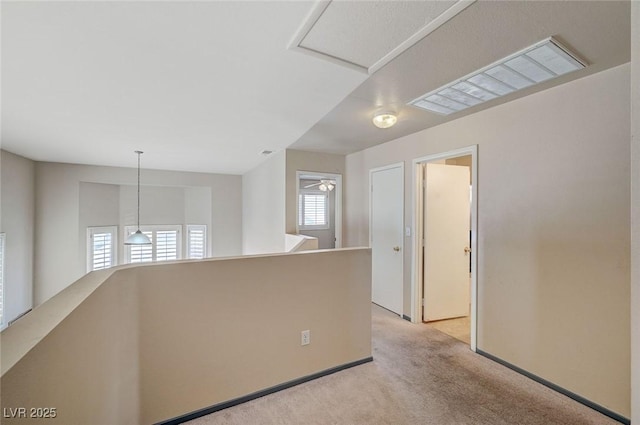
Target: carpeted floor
459	328
419	376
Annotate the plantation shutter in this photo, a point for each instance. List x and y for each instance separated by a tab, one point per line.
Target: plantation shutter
101	247
312	209
196	241
166	245
102	251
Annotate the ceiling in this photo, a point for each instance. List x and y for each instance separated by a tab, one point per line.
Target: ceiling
483	33
207	86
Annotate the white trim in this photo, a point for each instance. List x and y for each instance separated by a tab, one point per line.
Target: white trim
308	24
427	29
320	7
338	200
329	58
416	260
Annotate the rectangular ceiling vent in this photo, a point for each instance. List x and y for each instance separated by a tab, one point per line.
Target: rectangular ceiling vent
541	62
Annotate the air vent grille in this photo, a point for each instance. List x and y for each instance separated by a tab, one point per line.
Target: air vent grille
543	61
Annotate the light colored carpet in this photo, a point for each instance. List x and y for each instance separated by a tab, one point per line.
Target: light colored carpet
459	328
419	376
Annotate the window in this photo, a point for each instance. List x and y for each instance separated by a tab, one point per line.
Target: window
196	241
313	210
101	247
166	244
2	238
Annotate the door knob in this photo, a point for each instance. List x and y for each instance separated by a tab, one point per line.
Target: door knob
396	248
467	250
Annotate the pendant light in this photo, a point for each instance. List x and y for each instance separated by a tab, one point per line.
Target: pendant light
138	238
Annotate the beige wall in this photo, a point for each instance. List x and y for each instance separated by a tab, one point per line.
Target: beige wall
635	210
258	345
18	217
158	341
263	207
553	235
58	209
87	366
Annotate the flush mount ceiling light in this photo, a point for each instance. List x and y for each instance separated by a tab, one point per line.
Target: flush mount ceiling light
138	238
543	61
385	120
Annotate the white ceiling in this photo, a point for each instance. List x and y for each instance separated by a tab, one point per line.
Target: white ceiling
486	31
207	86
199	86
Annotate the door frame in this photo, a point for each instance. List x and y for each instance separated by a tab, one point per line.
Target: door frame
338	200
383	168
418	212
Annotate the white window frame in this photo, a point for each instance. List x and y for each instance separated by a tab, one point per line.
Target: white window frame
154	229
114	244
191	227
301	224
2	255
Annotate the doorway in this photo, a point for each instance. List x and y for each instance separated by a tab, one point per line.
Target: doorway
445	222
319	207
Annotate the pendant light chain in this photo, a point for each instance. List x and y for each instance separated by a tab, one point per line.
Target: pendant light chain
138	238
139	153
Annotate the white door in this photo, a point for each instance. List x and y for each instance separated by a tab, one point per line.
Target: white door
446	248
387	205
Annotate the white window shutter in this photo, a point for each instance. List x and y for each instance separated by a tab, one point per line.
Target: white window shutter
313	210
166	245
102	251
196	241
101	247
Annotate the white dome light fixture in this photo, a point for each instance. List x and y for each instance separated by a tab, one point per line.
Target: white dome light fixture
385	119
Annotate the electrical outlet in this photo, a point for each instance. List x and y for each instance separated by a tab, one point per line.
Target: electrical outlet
305	338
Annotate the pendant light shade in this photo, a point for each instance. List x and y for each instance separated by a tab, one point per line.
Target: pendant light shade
138	238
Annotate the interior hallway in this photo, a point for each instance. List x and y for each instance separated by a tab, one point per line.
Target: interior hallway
419	376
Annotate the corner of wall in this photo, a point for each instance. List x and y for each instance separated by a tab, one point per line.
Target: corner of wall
263	206
18	193
635	212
